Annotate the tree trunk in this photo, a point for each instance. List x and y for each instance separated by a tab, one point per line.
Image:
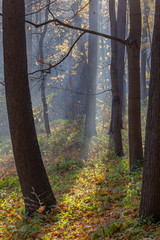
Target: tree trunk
144	53
121	27
33	179
29	36
134	116
90	123
80	78
43	84
69	100
116	105
143	70
45	106
150	197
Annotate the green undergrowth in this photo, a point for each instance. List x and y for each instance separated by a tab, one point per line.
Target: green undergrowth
97	196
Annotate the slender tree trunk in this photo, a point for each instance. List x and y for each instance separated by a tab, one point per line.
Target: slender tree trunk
45	106
29	36
116	105
121	27
80	78
144	52
69	101
43	84
71	98
33	179
150	197
143	71
133	48
81	86
124	102
90	124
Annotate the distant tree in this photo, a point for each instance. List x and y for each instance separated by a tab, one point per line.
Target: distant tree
74	101
144	51
133	49
81	61
150	197
90	124
43	78
69	96
29	5
31	172
121	30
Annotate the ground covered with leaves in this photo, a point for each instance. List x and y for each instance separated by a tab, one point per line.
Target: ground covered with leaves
98	198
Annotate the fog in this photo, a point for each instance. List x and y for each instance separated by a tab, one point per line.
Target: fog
65	70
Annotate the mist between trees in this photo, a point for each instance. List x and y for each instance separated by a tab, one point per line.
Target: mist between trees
91	61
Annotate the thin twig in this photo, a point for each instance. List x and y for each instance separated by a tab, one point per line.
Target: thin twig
53	66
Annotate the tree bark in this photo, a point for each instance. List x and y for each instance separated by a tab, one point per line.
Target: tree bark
150	197
33	179
134	116
116	105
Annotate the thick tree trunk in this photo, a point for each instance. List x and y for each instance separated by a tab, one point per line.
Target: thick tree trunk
150	197
43	83
116	105
33	179
90	123
133	48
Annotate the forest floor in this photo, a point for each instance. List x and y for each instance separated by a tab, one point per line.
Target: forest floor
97	196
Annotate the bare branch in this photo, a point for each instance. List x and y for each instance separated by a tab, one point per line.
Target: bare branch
81	93
39	10
52	66
2	84
58	22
